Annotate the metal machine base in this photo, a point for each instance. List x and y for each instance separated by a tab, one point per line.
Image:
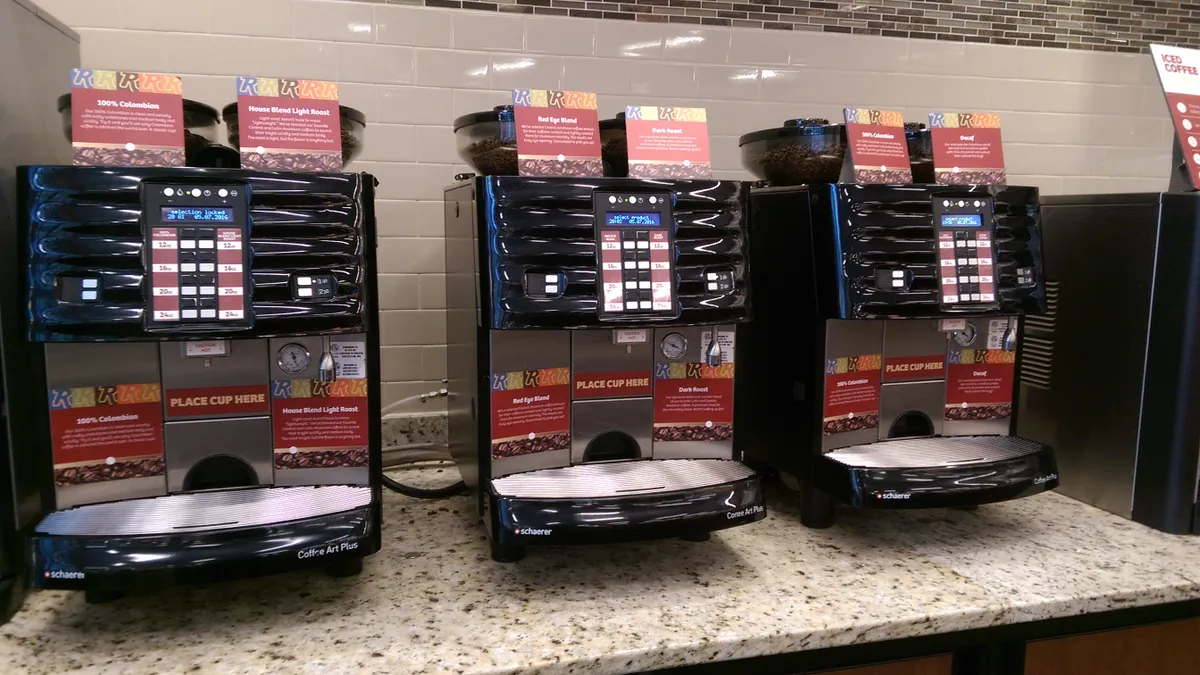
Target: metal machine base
205	536
621	501
947	471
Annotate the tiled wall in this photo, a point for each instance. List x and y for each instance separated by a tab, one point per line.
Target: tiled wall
1074	121
1126	26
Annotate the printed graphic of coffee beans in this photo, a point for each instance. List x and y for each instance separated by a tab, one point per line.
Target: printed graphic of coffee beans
328	162
888	176
694	432
93	156
842	425
102	471
972	177
321	459
527	446
655	170
554	167
979	412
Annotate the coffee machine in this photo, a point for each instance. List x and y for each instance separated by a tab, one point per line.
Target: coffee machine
204	345
879	370
592	329
1123	412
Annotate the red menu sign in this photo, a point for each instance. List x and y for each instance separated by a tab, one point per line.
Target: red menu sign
967	149
289	125
121	118
979	384
531	411
694	401
106	433
667	142
1179	74
877	146
558	133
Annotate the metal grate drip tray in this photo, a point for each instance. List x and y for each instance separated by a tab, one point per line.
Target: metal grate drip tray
204	511
945	451
619	479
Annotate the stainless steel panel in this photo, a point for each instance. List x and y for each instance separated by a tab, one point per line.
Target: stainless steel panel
244	363
913	337
695	352
245	438
616	479
596	351
904	407
315	348
101	363
630	418
513	350
341	475
845	339
197	511
933	452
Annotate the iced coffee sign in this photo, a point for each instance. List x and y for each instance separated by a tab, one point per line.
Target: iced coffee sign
667	142
558	133
1179	74
288	125
967	148
121	118
878	150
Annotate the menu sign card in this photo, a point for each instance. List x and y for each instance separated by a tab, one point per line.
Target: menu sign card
120	118
967	149
1179	74
558	133
288	125
877	146
667	142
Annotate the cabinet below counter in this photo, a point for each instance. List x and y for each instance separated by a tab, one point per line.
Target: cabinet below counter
878	586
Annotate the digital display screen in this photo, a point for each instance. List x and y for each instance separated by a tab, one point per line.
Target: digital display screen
634	219
962	220
197	214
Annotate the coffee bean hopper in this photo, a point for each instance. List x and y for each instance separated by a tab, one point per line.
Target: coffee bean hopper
880	367
592	325
204	342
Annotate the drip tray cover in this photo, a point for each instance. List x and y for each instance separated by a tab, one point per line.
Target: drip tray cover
619	479
946	451
204	511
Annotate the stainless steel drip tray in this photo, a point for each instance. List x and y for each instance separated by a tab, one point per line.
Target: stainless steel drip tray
620	479
204	511
943	451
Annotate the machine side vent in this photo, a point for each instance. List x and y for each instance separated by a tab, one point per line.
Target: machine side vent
1037	342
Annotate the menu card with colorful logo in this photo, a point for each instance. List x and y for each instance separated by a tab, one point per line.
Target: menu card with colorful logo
667	142
288	125
967	149
877	147
558	133
1179	75
121	118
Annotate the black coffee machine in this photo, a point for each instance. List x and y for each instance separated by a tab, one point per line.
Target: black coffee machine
204	342
592	328
880	367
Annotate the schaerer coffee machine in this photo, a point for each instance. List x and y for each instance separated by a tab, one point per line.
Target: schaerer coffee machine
592	329
204	342
879	369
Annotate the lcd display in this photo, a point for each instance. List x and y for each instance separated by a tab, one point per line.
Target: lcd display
197	214
962	220
634	219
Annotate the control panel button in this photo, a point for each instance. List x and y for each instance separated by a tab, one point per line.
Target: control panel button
208	314
304	292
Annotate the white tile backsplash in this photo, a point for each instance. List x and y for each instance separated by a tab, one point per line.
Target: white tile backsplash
1073	121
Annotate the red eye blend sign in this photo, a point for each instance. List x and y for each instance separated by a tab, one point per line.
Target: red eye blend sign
900	368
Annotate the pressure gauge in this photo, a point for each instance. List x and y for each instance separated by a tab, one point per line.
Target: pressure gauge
293	358
966	336
674	346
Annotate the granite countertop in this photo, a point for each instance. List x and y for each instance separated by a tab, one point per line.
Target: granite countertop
432	600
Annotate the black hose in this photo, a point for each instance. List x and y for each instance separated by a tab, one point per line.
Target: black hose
424	493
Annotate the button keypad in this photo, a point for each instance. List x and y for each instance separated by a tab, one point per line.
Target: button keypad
966	267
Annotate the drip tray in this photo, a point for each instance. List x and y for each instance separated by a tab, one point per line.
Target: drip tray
619	479
949	451
204	511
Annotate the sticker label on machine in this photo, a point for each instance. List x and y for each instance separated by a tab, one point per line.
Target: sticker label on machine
197	274
851	393
694	401
612	384
106	433
901	368
979	384
216	401
321	425
531	411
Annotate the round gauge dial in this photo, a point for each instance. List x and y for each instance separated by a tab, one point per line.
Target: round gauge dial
293	358
965	337
674	346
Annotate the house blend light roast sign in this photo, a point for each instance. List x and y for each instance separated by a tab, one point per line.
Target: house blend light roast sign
667	142
877	146
558	133
967	149
289	125
121	118
1179	74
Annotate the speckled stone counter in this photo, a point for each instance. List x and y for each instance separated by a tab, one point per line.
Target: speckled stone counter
432	600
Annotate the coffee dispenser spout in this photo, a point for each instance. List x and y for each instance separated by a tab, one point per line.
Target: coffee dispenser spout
1010	336
326	372
712	353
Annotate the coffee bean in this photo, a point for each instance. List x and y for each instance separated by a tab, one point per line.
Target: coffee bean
92	156
102	471
569	167
527	446
979	412
814	162
842	425
493	157
694	432
322	459
615	153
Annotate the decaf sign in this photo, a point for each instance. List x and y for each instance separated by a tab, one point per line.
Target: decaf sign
967	148
558	133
